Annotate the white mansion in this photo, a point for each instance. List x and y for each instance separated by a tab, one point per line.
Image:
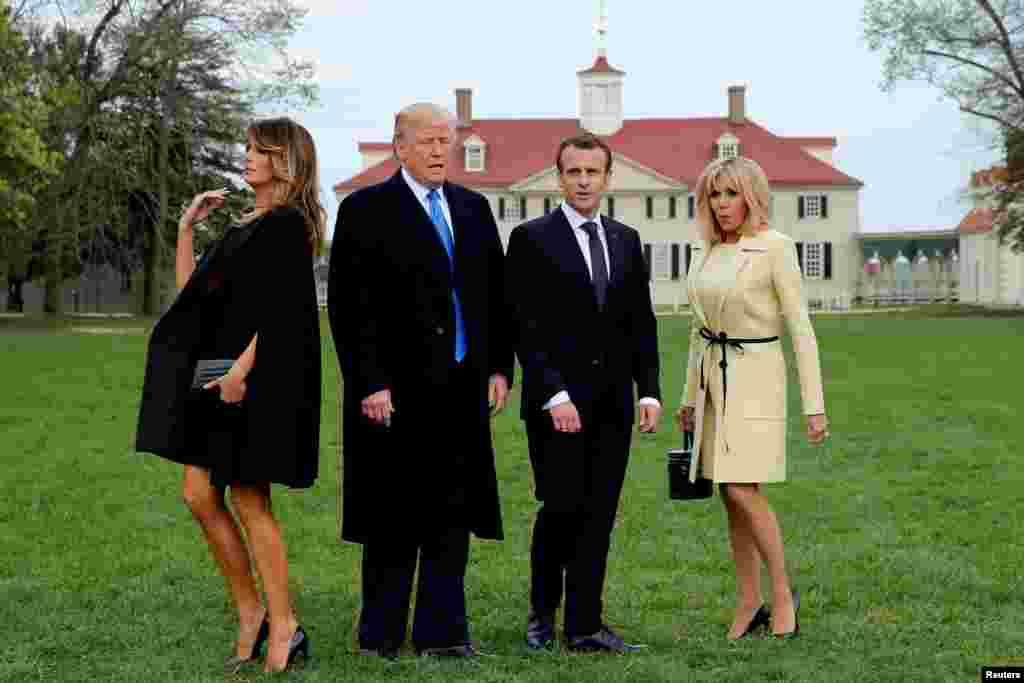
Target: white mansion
657	163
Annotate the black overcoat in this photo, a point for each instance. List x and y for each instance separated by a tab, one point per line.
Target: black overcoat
270	268
391	313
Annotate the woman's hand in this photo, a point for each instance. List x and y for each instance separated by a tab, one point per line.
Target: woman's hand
684	418
817	428
200	208
232	385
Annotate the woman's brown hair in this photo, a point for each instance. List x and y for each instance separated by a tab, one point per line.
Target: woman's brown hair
296	172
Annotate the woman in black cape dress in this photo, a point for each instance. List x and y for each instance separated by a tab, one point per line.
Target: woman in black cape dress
251	299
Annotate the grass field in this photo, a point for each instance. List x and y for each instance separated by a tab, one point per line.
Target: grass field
903	533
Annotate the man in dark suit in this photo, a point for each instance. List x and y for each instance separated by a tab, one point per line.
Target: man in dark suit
417	309
586	332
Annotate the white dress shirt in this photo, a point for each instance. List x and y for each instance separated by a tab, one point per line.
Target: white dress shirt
576	220
421	191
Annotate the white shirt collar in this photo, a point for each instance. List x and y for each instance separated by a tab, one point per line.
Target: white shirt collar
420	190
576	219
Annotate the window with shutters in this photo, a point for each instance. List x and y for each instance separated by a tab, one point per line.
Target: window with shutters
660	261
474	158
649	201
675	262
509	208
814	260
672	207
812	206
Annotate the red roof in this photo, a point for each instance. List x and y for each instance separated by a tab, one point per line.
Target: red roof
601	66
375	146
977	221
677	148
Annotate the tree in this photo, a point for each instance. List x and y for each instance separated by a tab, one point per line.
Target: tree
973	51
162	88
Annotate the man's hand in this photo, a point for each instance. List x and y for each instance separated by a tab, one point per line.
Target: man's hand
566	418
684	418
649	414
497	392
377	407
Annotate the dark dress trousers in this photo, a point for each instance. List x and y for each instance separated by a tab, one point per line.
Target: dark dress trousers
419	487
258	279
565	342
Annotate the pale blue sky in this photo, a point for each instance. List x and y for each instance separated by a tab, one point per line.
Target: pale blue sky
806	69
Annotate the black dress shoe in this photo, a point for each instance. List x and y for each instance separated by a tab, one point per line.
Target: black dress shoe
605	640
540	631
463	651
796	620
762	617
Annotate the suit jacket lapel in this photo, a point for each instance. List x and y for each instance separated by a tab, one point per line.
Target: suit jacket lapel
616	251
567	244
461	222
420	222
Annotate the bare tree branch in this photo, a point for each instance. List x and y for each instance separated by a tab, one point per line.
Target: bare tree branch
1005	43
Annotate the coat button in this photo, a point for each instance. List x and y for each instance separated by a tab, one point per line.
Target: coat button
439	330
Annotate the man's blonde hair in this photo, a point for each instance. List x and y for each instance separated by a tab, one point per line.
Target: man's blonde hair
746	178
418	115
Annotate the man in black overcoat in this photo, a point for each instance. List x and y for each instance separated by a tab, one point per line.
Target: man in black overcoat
417	309
586	333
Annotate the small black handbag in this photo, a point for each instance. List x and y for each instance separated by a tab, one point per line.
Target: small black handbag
680	460
209	370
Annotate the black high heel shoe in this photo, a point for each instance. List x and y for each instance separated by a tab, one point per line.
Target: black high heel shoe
796	620
299	643
761	617
235	662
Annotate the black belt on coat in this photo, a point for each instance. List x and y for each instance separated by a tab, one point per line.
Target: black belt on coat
725	341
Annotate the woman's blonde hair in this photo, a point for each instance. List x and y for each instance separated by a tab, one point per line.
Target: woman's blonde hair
296	174
745	177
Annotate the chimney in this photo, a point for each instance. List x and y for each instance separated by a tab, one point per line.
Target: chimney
737	104
464	107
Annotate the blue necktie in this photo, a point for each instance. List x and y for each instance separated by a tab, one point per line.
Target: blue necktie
445	233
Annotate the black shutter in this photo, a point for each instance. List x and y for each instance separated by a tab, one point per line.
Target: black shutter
675	261
501	208
547	205
647	258
691	207
522	208
650	207
828	259
800	207
611	207
689	257
671	207
800	249
824	206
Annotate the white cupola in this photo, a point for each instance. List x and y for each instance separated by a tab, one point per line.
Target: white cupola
600	86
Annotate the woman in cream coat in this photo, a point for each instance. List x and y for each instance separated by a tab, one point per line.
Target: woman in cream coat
743	282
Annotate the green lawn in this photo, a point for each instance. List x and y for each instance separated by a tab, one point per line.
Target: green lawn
903	533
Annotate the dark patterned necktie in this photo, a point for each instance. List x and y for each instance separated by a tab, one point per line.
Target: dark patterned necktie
598	266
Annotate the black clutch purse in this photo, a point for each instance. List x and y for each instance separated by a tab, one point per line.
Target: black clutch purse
680	460
209	370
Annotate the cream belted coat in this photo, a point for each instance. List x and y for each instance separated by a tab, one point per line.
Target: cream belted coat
741	437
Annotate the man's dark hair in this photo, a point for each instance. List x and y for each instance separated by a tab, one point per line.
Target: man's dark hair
585	141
